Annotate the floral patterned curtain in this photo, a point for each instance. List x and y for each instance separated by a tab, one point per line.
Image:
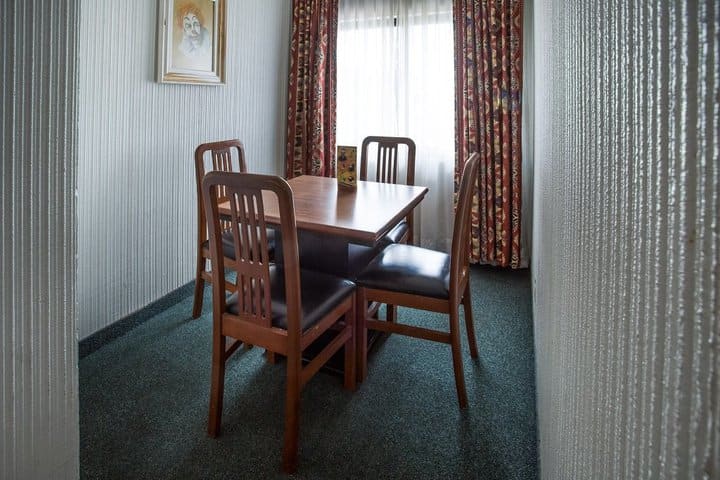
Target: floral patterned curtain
312	89
488	75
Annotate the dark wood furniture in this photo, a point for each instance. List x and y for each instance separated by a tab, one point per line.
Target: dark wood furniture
387	166
331	219
281	308
225	156
340	229
424	279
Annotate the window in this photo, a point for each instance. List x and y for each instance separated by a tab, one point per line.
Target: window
396	78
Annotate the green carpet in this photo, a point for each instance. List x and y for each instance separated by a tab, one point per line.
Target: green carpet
144	400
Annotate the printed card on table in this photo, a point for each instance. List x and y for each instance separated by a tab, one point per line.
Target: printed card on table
347	166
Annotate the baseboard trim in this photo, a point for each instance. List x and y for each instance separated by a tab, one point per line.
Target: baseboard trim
119	328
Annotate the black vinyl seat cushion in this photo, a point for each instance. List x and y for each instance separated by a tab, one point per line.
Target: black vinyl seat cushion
396	234
319	294
408	269
359	256
228	244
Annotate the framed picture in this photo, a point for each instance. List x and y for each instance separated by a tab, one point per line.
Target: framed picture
191	41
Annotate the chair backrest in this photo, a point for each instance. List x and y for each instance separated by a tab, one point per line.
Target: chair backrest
460	253
387	164
224	156
243	191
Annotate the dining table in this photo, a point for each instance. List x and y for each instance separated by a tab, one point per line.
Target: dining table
333	218
340	228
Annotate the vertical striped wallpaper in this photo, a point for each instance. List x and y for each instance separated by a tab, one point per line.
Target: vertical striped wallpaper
136	181
38	338
625	257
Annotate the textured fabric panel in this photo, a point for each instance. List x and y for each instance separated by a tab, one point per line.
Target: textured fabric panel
312	89
38	338
488	104
625	248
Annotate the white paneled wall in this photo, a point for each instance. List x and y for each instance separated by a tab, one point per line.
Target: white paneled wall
38	338
625	257
136	180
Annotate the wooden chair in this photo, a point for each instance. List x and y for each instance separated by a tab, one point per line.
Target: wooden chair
225	156
424	279
281	308
387	166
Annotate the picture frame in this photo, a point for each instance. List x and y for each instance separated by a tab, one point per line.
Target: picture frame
191	41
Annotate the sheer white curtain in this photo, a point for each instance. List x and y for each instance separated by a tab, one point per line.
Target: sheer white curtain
395	78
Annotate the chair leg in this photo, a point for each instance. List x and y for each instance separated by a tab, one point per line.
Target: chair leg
361	333
199	287
391	310
350	353
271	357
292	414
217	385
390	313
457	356
467	308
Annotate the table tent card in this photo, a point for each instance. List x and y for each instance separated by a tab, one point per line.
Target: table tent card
347	166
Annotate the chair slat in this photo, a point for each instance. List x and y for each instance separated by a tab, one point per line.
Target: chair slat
251	251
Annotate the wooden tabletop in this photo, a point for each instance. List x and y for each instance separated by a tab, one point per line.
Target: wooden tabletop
363	214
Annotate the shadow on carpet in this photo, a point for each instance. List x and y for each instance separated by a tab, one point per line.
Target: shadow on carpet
144	401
